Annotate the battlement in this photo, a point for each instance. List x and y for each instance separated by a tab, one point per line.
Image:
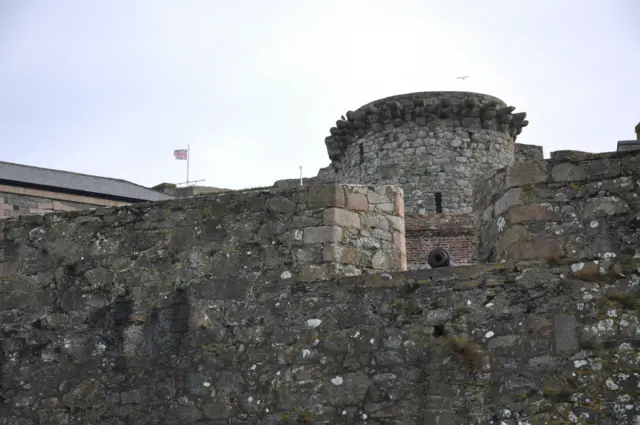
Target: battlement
569	208
450	109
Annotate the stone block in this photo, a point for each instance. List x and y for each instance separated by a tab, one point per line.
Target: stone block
11	189
281	204
564	333
602	168
301	221
346	255
399	242
589	271
541	247
332	253
375	197
397	223
567	172
33	192
330	195
385	208
48	205
525	173
631	164
508	200
357	201
322	234
381	234
504	341
514	235
605	206
317	272
525	153
59	206
375	221
399	204
570	155
380	261
307	254
341	217
532	212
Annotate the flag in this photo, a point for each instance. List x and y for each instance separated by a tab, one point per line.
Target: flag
181	154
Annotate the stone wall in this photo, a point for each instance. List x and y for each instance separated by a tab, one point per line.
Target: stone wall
327	174
526	153
290	183
16	201
434	142
94	336
186	191
305	234
453	232
573	155
568	210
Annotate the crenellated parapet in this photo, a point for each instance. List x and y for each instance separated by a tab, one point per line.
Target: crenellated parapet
449	109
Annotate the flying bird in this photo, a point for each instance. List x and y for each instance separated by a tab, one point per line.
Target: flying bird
462	78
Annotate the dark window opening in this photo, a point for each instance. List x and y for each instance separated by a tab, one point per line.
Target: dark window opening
361	153
438	202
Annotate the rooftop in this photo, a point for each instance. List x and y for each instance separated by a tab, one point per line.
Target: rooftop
26	175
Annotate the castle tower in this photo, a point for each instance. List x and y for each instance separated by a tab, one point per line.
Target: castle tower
433	144
429	143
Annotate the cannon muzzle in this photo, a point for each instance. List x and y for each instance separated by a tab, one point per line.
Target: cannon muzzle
439	257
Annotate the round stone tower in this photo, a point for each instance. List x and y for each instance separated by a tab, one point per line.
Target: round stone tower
433	144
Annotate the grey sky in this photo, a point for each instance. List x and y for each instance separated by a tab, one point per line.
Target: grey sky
113	87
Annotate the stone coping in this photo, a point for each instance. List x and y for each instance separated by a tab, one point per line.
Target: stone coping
435	96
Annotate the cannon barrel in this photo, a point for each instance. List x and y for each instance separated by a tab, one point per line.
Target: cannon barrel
439	257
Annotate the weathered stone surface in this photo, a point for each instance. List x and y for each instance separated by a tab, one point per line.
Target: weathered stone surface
531	212
425	148
526	153
525	173
564	332
254	234
357	202
157	344
587	211
568	172
322	234
508	200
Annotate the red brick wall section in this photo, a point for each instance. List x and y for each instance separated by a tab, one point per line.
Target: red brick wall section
462	247
453	232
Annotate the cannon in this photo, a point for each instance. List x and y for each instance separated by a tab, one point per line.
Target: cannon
439	257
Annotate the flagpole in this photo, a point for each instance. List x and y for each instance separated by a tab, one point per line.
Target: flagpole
301	175
188	159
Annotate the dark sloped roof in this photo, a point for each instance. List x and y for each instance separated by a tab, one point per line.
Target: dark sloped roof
74	182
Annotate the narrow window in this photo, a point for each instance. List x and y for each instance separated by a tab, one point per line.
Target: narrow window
361	153
438	202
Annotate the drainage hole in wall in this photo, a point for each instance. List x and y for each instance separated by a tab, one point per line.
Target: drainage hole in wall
438	331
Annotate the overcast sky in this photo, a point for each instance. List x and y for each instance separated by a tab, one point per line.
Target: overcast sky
112	87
